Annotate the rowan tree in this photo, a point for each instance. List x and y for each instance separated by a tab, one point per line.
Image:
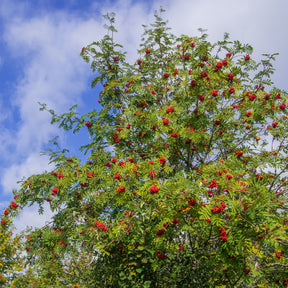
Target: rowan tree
184	182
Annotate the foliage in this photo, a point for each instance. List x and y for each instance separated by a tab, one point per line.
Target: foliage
185	179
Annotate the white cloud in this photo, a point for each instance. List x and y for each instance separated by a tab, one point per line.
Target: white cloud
29	217
53	73
33	164
259	23
3	205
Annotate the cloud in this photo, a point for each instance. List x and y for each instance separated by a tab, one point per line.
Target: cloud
259	23
33	164
5	113
29	217
53	73
254	22
3	205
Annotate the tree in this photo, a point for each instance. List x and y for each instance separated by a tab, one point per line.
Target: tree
185	179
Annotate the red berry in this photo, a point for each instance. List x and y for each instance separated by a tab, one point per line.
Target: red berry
88	124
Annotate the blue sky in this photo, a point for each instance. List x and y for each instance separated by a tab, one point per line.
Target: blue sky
39	62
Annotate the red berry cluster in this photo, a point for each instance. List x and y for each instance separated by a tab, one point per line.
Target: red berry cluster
193	83
121	189
161	255
251	97
166	75
160	232
90	174
88	124
213	184
192	202
169	110
108	164
201	98
218	66
230	77
154	189
214	93
13	205
165	121
117	176
3	222
54	191
121	163
174	134
152	173
218	209
224	236
239	154
101	226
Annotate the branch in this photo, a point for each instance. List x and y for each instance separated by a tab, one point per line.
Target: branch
275	265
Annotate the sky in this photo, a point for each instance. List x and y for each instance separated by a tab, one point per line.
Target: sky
40	43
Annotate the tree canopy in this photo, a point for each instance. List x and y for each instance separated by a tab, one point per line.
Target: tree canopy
184	183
